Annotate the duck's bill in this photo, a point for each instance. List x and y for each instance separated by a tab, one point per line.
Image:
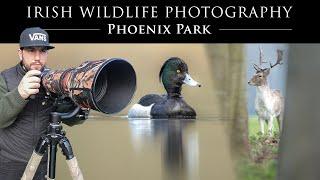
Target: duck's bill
188	80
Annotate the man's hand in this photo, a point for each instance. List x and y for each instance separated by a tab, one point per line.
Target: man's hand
29	84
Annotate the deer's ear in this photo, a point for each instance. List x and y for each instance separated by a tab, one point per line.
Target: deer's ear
266	72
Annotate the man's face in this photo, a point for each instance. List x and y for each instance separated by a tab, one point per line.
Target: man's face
33	58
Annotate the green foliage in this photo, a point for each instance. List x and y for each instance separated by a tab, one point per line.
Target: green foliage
263	147
263	155
254	127
252	171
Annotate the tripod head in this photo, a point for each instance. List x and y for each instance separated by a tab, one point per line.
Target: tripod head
57	117
65	110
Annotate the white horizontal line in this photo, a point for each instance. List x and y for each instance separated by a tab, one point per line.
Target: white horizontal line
255	29
72	29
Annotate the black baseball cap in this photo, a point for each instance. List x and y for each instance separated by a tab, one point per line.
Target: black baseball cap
34	36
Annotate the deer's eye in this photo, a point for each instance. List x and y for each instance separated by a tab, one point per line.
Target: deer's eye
260	76
178	71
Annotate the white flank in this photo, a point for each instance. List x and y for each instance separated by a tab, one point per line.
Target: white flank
139	111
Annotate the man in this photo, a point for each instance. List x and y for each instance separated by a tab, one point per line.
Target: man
23	119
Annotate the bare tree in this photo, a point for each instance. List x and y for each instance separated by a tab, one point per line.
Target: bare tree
299	145
229	76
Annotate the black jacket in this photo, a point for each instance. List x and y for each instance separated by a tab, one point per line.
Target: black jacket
20	137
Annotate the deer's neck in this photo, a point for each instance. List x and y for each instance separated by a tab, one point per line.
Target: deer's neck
264	91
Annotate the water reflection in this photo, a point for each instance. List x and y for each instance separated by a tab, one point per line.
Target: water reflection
179	144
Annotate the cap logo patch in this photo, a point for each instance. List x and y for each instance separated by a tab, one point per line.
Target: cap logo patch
38	37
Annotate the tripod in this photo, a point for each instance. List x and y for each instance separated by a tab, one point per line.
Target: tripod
50	140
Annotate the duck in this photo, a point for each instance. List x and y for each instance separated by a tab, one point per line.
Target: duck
173	74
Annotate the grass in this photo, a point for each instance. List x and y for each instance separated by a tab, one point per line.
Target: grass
262	161
252	171
254	127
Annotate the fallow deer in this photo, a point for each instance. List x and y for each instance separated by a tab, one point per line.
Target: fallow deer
269	103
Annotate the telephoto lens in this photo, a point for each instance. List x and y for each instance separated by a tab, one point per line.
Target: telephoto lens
105	85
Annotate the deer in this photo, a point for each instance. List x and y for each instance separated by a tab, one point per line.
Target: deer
269	103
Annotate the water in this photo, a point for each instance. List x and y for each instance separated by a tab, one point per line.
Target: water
117	148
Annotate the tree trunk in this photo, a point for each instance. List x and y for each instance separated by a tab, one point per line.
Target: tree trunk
229	75
299	144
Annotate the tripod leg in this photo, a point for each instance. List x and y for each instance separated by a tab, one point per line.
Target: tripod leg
52	160
35	159
74	169
32	166
72	162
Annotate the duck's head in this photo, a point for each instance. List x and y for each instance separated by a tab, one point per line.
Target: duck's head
173	74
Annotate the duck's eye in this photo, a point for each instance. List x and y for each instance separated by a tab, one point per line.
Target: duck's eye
178	71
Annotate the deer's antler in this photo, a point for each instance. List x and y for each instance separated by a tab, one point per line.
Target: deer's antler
256	67
279	58
261	56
